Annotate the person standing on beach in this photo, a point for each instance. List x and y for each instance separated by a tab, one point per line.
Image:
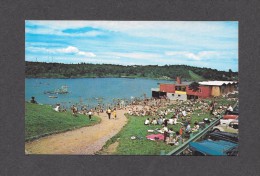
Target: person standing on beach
74	110
90	114
114	113
109	112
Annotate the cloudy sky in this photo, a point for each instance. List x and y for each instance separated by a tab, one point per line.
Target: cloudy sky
202	44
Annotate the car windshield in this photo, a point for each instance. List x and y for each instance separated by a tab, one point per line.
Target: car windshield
232	152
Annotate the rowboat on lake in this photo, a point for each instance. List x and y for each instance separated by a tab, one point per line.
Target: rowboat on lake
62	90
53	97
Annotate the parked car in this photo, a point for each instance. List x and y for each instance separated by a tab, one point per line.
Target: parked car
226	121
230	116
232	127
213	148
219	135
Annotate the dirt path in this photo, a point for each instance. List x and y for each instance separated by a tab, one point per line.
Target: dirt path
110	150
86	140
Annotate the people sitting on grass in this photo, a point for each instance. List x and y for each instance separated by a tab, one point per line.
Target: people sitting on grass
147	121
171	121
178	138
181	113
165	122
154	122
230	108
163	129
196	127
188	128
63	109
165	113
175	120
182	128
160	121
183	118
170	134
57	108
33	100
130	112
184	113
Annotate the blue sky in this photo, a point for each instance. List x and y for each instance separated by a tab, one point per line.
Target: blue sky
203	44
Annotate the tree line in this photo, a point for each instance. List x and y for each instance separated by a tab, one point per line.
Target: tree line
86	70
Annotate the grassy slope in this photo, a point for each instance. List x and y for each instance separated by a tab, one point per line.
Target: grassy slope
42	120
135	127
143	146
195	76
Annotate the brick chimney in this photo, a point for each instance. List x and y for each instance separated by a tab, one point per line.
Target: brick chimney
178	80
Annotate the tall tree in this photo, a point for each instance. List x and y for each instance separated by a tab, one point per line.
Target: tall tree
230	73
194	86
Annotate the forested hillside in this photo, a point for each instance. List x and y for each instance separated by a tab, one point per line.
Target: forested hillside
84	70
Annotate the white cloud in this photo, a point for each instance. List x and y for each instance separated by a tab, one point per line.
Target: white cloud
143	42
88	54
88	60
193	56
37	49
68	50
162	29
134	55
199	56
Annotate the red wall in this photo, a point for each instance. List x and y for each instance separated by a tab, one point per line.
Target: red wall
170	88
205	92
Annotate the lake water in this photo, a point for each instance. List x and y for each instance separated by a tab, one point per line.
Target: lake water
89	91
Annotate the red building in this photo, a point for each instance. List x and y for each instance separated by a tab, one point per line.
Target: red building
181	91
203	92
170	88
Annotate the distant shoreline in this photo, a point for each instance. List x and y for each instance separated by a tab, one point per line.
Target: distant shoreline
156	72
29	77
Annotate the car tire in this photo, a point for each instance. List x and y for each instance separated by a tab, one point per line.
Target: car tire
216	130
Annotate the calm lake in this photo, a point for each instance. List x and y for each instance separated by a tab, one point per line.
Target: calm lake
89	91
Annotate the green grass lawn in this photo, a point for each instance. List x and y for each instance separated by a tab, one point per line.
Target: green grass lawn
143	146
42	120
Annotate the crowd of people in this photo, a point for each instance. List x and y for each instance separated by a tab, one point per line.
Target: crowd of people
157	110
111	112
148	107
161	114
180	114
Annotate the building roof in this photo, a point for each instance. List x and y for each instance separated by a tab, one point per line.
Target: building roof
183	84
216	83
155	89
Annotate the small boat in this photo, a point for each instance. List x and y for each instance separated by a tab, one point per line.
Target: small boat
62	90
53	97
